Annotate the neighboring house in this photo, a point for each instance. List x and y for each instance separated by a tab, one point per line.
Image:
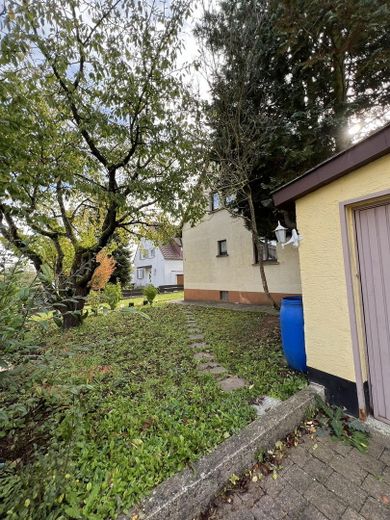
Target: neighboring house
220	262
159	265
343	214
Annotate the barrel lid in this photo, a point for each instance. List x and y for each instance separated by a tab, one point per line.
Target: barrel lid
292	300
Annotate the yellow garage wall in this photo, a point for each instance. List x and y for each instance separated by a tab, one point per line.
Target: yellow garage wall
204	270
327	326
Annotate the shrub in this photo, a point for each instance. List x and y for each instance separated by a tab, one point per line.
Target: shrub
95	300
103	271
150	292
113	294
16	303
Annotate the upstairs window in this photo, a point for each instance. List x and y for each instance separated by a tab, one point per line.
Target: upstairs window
152	253
143	253
218	203
229	199
222	248
215	201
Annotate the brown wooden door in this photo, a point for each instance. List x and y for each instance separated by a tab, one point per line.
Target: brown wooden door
373	238
179	279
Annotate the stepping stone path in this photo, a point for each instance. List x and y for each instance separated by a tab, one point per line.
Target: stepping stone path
203	356
200	344
209	365
232	383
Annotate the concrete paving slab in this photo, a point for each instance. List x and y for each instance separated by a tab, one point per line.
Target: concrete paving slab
265	403
198	344
203	356
217	371
232	383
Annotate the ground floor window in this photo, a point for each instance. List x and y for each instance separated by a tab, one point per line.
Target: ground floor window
140	273
269	251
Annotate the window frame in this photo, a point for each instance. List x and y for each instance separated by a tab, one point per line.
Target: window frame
139	270
224	296
215	206
143	254
219	244
269	259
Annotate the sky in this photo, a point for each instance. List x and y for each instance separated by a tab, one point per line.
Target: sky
191	51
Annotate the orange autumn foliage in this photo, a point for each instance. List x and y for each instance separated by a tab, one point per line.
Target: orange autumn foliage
103	271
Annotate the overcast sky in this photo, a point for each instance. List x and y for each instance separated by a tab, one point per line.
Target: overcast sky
191	51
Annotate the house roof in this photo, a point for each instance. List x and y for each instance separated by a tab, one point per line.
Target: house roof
372	147
171	251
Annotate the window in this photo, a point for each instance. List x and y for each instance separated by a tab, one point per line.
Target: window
140	273
215	201
224	296
222	248
269	251
229	199
152	253
143	254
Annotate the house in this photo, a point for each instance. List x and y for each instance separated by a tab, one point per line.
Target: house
343	214
220	262
160	265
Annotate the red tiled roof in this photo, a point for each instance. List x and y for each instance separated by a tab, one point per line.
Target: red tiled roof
171	251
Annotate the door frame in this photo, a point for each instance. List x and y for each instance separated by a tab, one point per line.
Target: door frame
347	210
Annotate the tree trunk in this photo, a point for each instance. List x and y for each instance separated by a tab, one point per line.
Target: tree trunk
72	306
263	276
70	320
259	247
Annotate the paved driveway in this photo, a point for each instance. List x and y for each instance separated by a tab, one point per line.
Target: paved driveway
321	479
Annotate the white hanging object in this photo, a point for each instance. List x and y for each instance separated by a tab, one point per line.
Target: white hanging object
294	240
280	232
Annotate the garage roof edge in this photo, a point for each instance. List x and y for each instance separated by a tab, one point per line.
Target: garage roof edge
372	147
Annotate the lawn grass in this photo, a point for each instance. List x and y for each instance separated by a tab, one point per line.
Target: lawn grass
160	299
137	301
248	345
101	414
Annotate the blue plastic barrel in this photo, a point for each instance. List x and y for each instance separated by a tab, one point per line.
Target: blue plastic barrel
293	337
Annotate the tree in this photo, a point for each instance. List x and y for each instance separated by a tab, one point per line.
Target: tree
338	53
123	268
277	107
103	271
100	135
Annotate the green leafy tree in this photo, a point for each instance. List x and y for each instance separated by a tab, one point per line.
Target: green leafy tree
123	267
100	135
286	79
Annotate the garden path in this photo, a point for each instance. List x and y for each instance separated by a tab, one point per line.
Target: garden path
207	361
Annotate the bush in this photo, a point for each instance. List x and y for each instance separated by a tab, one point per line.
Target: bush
16	302
112	294
150	292
95	300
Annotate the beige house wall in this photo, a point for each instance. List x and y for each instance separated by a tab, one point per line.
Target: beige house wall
205	271
327	322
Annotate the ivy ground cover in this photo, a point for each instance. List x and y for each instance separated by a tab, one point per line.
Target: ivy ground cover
100	415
